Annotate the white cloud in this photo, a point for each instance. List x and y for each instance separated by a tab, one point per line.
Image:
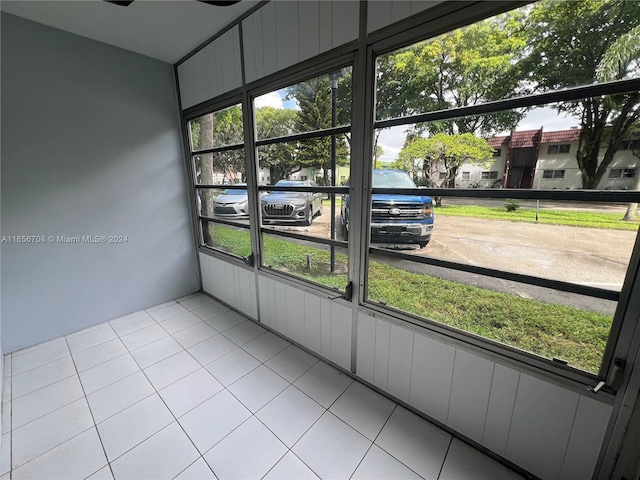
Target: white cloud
391	140
272	99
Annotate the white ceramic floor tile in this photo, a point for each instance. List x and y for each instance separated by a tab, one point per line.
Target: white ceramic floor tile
107	373
45	400
165	313
84	331
233	366
160	305
226	320
104	352
171	369
132	426
41	435
39	377
125	326
464	461
378	464
188	297
212	349
118	396
144	336
163	456
181	322
102	474
156	351
363	409
323	383
418	444
331	448
290	415
194	335
198	470
244	333
292	363
91	339
38	346
210	310
257	388
213	420
76	458
190	391
39	357
197	302
266	346
290	467
250	451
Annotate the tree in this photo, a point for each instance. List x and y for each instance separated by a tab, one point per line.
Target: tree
314	98
376	157
279	158
468	66
424	157
571	44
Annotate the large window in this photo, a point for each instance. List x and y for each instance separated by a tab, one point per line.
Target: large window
530	267
217	152
303	148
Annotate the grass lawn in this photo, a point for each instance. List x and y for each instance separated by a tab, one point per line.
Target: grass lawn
546	215
550	330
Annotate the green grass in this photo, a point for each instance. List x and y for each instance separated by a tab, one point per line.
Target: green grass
576	335
553	217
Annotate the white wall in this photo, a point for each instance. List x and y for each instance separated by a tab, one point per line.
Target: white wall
91	145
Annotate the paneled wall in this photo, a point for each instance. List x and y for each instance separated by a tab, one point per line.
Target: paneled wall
214	70
385	12
549	430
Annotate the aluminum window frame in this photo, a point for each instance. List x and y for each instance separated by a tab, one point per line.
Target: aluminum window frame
263	88
409	37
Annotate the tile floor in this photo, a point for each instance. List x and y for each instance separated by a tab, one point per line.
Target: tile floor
192	390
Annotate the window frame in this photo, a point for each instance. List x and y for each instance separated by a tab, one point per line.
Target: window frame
408	38
266	87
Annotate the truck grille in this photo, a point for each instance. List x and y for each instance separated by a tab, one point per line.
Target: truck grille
278	210
406	210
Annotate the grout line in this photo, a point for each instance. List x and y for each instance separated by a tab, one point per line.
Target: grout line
444	460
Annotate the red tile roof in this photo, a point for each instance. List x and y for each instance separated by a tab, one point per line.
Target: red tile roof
561	136
497	142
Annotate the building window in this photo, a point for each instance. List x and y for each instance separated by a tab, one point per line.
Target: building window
562	148
615	173
303	177
553	174
629	173
492	175
622	173
497	152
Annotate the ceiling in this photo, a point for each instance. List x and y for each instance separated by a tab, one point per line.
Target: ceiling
166	30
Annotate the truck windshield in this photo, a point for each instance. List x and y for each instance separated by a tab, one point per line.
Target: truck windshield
392	179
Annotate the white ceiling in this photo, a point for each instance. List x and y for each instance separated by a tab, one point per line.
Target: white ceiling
166	30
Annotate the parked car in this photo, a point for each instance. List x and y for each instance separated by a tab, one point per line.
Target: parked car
395	218
232	204
291	207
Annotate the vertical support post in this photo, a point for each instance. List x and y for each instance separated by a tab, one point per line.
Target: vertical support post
333	76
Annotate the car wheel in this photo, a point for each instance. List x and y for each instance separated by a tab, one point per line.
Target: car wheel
423	244
345	232
309	219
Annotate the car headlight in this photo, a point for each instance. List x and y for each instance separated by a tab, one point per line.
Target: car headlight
427	210
298	204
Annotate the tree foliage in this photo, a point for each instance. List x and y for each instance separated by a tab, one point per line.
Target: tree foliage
314	99
279	158
468	66
424	158
579	43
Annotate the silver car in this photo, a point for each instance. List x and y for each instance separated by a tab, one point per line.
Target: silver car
291	207
232	204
